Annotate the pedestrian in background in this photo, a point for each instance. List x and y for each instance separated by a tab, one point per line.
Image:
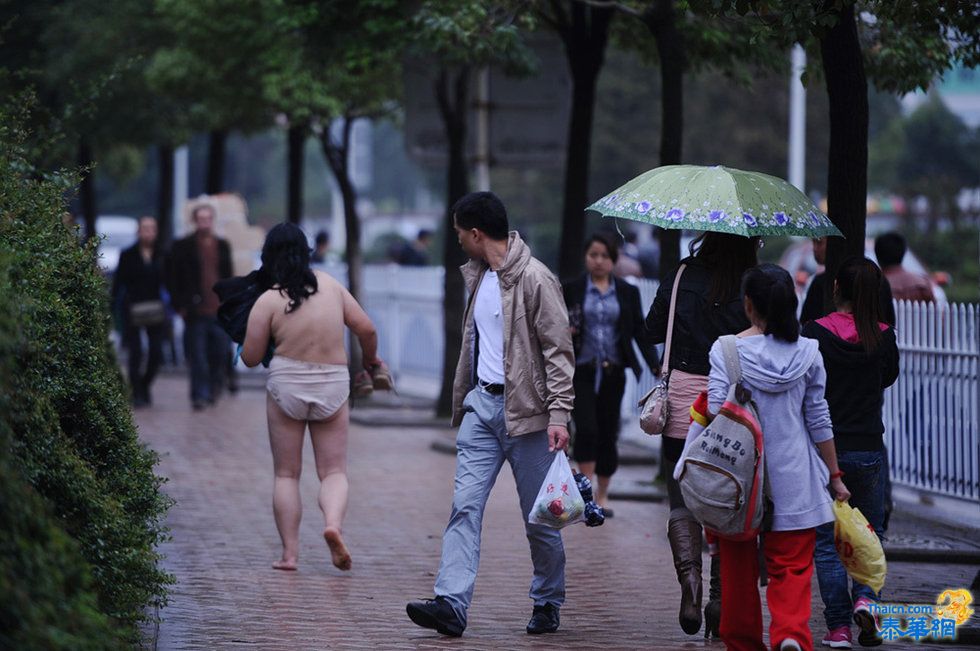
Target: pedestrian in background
321	249
197	262
416	254
890	250
303	315
606	318
785	375
708	306
813	304
511	400
860	355
139	297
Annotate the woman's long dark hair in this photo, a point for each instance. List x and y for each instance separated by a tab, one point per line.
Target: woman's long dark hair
858	285
286	264
727	257
774	298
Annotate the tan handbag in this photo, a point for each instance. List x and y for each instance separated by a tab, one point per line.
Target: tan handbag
655	406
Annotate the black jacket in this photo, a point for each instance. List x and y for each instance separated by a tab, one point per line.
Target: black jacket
698	322
856	382
629	328
184	272
136	280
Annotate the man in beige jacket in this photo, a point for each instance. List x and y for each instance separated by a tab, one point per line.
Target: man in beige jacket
511	400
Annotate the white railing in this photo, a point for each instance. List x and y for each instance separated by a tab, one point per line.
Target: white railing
931	414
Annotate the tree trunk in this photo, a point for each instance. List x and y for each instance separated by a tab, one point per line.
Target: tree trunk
215	182
584	36
165	195
338	157
452	95
294	173
86	191
661	20
847	178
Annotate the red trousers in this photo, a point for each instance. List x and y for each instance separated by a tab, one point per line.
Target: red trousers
789	564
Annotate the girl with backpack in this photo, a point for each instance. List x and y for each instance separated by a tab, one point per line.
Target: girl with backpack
861	357
785	375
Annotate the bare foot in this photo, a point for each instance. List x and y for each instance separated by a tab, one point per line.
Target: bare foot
338	550
289	566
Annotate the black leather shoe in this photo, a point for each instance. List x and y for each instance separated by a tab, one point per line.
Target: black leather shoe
543	620
435	613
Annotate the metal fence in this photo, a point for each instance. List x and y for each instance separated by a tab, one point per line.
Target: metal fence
931	414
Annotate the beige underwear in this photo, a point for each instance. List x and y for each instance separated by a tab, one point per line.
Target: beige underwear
308	391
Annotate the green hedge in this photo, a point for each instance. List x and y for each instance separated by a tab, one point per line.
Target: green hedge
71	433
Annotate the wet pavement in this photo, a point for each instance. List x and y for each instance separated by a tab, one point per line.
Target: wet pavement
622	593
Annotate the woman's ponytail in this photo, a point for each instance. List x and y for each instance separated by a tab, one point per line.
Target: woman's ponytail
859	285
770	289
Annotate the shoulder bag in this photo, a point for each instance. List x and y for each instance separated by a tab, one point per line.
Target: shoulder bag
654	406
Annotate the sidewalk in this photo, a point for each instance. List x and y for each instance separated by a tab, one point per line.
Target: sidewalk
622	592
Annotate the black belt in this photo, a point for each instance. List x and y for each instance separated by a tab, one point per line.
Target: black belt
493	389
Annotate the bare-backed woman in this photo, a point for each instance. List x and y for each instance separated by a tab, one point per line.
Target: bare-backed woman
304	315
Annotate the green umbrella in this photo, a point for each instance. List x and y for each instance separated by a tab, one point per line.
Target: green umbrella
716	198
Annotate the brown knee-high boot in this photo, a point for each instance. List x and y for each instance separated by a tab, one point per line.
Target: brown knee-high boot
712	610
684	534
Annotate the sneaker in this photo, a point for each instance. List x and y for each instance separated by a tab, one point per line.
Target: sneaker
789	644
839	638
865	619
381	377
544	619
363	385
436	613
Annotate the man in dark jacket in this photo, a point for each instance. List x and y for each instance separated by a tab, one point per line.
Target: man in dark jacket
197	262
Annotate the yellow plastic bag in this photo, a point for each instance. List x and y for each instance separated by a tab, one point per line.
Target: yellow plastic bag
858	546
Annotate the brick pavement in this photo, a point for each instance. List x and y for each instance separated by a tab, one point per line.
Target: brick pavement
621	588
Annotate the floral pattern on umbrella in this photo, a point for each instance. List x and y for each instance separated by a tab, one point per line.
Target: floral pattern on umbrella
716	199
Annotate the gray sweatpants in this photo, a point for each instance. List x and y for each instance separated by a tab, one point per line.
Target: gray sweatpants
482	445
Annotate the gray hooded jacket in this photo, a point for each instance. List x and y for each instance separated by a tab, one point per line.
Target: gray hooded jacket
787	383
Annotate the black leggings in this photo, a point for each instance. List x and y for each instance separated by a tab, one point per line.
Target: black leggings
672	449
597	417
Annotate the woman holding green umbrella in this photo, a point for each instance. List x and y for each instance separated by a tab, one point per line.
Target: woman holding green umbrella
735	208
708	306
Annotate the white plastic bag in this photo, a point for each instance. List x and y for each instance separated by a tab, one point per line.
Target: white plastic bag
559	502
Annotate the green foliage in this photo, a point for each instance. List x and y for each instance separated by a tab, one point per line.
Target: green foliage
906	44
72	437
473	33
931	153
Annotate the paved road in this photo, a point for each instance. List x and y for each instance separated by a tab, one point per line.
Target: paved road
621	588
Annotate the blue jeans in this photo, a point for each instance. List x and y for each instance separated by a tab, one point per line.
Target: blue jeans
864	477
482	444
208	348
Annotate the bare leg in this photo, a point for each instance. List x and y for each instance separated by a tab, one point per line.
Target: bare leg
330	450
602	493
286	438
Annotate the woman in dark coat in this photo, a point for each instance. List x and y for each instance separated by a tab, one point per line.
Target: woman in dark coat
139	281
606	318
709	305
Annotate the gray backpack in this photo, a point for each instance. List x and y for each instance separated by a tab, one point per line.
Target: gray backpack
723	477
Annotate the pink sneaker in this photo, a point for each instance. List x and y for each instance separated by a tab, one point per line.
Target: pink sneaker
865	619
839	638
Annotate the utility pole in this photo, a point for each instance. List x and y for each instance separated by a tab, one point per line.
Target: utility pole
483	129
797	120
